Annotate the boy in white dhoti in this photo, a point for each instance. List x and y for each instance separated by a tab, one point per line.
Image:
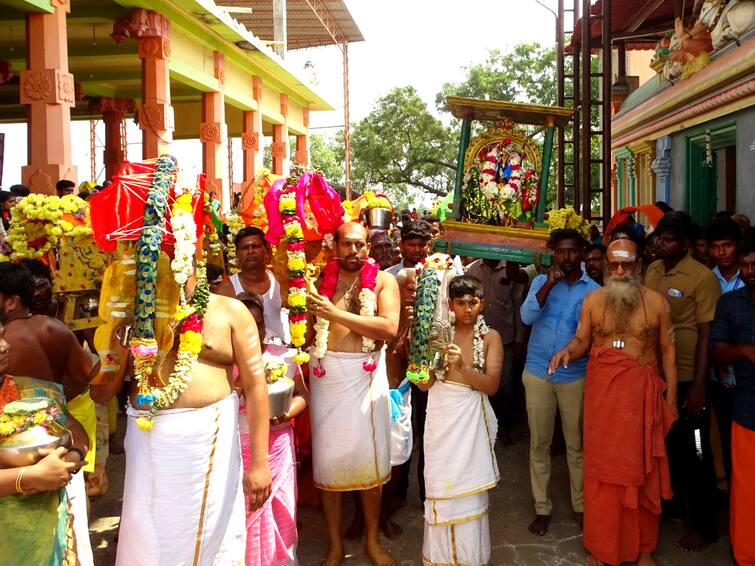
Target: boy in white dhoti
349	404
460	431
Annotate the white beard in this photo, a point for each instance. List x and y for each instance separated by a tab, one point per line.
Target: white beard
623	294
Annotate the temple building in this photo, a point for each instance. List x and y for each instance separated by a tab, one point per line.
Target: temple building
181	69
687	135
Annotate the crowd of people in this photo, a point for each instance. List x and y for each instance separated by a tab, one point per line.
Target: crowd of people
624	347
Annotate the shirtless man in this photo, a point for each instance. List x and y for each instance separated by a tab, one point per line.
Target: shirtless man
253	253
625	415
44	348
183	501
349	403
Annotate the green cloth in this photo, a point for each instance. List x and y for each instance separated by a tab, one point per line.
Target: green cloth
38	528
442	210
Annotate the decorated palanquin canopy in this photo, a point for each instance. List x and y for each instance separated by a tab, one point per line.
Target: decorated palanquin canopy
501	179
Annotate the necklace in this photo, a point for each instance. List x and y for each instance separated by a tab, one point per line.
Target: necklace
478	356
367	307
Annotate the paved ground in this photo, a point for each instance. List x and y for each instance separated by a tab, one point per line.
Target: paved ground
511	512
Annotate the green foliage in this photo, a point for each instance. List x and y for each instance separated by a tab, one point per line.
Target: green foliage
525	74
326	155
401	143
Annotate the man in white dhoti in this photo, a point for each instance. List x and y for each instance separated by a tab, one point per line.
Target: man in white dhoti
460	431
349	404
183	502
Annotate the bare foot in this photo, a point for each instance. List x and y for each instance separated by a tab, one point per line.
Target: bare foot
354	532
378	556
391	530
540	525
592	561
579	517
693	542
334	557
646	559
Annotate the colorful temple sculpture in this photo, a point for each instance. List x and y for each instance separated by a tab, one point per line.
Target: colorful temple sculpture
683	103
182	69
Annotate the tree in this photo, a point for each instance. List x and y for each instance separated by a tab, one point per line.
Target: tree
326	155
400	143
526	74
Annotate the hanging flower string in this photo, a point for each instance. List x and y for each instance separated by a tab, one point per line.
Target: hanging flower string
367	307
184	231
235	223
143	344
297	267
191	320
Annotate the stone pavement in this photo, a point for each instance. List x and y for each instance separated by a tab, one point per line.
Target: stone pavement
511	512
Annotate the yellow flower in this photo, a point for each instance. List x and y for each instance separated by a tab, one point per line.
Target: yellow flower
297	301
191	341
301	357
145	423
7	428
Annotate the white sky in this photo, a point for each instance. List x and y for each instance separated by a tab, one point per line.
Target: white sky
423	43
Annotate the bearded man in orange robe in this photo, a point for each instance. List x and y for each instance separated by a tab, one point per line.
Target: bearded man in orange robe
626	417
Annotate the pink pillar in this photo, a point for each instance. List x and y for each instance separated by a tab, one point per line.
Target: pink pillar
213	137
47	89
250	143
155	113
114	110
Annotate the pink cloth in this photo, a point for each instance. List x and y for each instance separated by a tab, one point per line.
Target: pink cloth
271	530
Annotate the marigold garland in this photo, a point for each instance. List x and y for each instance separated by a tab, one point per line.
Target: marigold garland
39	221
297	266
235	223
191	320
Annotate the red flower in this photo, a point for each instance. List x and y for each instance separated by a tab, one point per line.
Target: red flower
317	371
193	323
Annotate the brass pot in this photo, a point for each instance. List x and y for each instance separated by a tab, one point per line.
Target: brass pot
379	217
23	449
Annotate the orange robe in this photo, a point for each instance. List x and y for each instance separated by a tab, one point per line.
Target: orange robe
626	472
742	509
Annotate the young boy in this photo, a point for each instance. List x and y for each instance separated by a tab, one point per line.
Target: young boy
460	431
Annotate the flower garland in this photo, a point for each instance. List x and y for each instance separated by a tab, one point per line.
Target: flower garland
297	267
367	307
480	330
235	223
39	221
191	319
275	369
506	182
184	230
143	344
15	422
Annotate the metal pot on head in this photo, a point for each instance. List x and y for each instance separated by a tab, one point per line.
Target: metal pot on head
379	218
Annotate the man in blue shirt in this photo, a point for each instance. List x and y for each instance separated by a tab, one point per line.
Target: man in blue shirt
733	339
552	308
723	235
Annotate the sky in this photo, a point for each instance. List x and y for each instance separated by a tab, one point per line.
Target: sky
423	43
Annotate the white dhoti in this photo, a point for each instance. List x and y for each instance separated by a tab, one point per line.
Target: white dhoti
183	503
351	424
77	496
460	468
401	423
